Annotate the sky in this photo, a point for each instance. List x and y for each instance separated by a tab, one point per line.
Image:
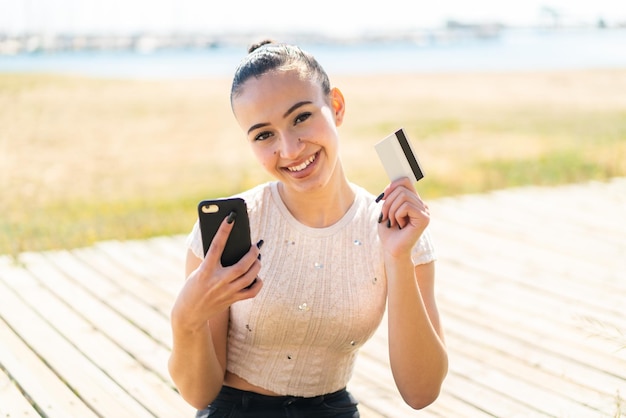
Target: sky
325	16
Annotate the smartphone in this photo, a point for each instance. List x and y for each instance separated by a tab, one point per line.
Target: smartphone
211	214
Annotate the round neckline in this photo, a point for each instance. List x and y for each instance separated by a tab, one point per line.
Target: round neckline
309	230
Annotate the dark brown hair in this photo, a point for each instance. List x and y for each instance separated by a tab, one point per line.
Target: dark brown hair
267	55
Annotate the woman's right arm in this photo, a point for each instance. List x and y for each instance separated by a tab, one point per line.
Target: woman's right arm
198	359
199	319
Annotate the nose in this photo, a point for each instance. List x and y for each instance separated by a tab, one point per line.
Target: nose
291	146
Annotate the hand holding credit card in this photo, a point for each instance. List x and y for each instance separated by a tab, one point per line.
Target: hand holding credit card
398	158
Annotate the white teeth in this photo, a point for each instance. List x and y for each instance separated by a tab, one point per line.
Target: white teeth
302	166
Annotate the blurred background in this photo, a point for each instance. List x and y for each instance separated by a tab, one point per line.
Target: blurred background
115	117
194	38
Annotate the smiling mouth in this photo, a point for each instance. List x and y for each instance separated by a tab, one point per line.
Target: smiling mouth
304	165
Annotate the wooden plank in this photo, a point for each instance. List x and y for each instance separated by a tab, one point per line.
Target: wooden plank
518	384
533	315
376	386
123	352
568	307
534	223
28	369
14	401
171	248
86	380
135	306
570	207
471	251
483	398
530	266
122	277
146	260
144	266
550	285
507	304
533	362
101	314
575	396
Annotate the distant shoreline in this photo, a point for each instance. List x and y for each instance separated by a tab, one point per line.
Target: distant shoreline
454	51
149	42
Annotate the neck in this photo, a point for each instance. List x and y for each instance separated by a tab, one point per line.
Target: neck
321	207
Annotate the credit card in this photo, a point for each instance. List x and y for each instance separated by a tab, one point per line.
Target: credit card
398	157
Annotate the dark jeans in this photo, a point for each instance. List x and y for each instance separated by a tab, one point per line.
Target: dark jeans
235	403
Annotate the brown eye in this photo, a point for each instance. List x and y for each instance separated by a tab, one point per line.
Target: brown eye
262	136
302	117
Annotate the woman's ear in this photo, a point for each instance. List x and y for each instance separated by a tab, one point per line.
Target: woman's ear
338	105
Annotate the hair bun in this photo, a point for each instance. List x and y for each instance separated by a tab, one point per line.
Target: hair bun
259	44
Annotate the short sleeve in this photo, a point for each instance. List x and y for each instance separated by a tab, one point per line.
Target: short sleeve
424	250
194	241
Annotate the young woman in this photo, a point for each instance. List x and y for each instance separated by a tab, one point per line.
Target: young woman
277	336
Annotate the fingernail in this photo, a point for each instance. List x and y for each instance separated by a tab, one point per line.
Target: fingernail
380	196
388	223
260	244
231	217
380	218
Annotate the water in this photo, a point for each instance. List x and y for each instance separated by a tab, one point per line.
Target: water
513	50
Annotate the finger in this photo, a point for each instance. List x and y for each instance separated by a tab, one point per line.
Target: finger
235	279
214	254
398	212
248	261
248	266
251	290
249	279
403	206
396	194
401	182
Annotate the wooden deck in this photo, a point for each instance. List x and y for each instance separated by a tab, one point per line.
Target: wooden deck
531	287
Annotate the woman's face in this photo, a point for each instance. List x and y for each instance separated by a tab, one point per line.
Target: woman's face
291	126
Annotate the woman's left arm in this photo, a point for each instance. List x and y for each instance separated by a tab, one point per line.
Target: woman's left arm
416	347
417	352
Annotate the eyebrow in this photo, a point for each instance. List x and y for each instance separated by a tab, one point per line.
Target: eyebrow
296	106
287	113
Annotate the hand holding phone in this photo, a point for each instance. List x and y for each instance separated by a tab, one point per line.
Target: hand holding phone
204	294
